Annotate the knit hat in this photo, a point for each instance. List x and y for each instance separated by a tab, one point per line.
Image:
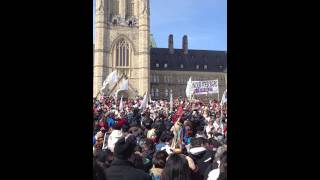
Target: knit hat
124	147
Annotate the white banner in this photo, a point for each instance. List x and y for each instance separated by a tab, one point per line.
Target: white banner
188	88
124	86
224	98
204	87
111	78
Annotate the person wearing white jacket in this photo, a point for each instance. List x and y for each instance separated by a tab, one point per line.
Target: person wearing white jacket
221	172
214	174
115	135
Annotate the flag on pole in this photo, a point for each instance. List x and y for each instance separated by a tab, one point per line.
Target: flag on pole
121	105
178	114
224	98
150	100
111	78
124	86
171	102
144	102
188	93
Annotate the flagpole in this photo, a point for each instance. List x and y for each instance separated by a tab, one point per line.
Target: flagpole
171	101
218	90
221	108
221	125
97	95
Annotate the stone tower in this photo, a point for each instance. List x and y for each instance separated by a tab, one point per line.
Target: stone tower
123	43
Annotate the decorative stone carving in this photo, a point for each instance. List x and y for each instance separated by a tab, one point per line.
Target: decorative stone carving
100	5
115	20
132	21
144	7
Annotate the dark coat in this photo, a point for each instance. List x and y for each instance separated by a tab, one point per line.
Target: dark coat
123	170
200	161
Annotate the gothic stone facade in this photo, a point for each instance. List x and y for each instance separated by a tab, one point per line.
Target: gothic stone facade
123	44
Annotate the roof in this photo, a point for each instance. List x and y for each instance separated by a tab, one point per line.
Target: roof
216	61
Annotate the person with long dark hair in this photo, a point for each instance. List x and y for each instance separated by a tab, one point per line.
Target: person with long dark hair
159	162
176	168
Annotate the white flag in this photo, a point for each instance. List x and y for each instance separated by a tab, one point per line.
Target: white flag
111	78
188	88
144	102
121	105
224	98
124	86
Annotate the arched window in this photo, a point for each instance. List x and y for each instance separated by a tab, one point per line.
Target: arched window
152	92
157	92
129	8
122	53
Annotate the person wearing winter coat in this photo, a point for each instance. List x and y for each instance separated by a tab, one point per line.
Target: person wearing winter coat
121	168
115	135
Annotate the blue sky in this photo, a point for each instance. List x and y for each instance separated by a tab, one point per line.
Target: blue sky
204	21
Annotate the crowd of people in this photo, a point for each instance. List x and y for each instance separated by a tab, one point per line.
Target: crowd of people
182	141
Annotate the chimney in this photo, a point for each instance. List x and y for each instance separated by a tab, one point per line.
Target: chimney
185	44
170	44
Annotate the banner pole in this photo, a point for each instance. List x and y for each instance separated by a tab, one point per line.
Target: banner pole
218	90
97	96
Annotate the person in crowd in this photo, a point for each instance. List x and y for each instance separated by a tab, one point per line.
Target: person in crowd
104	158
209	128
115	135
196	131
176	168
159	162
223	167
200	154
220	172
98	173
137	160
121	168
97	147
165	141
177	141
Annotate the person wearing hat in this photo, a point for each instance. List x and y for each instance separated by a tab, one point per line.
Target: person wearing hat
121	168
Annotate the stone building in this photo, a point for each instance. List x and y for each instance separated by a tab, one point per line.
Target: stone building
170	69
124	43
